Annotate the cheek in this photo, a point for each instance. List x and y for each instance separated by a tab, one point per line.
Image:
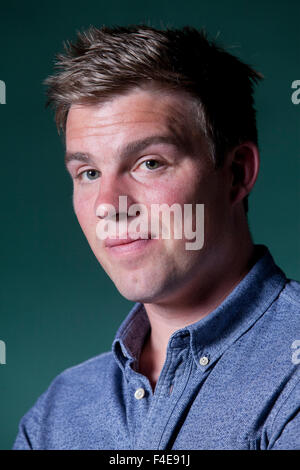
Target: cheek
83	205
171	192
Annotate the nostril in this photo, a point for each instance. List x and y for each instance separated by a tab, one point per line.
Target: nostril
101	213
104	211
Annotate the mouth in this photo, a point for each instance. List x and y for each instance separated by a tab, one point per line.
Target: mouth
127	244
125	240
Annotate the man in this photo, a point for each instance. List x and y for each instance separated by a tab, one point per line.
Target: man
205	358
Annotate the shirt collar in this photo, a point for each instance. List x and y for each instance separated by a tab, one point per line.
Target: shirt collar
131	335
213	334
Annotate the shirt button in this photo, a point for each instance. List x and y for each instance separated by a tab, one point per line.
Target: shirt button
203	361
139	393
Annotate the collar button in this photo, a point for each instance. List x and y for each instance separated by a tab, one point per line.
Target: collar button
139	393
203	361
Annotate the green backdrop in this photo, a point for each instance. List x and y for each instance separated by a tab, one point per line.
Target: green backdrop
58	307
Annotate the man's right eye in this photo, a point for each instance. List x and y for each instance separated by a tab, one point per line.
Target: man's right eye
88	175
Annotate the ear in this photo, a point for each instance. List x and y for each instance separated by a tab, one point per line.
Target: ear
244	167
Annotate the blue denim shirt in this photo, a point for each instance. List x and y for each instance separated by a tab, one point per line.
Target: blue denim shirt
229	381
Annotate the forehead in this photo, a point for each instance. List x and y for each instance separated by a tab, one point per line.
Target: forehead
141	111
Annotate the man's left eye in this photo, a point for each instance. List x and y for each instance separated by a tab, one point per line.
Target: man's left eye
151	164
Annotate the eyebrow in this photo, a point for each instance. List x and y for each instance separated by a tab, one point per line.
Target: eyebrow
129	149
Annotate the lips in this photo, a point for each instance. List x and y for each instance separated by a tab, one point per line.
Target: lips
110	242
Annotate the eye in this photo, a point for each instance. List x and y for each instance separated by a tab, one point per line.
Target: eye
89	175
151	164
92	174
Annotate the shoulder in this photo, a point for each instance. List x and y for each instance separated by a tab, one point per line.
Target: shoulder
87	371
279	326
74	392
291	293
77	384
285	309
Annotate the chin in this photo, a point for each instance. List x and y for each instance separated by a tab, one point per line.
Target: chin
146	292
134	291
134	295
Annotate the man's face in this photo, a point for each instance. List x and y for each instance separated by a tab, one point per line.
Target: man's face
144	145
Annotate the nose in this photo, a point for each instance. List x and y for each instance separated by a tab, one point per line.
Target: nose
113	199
